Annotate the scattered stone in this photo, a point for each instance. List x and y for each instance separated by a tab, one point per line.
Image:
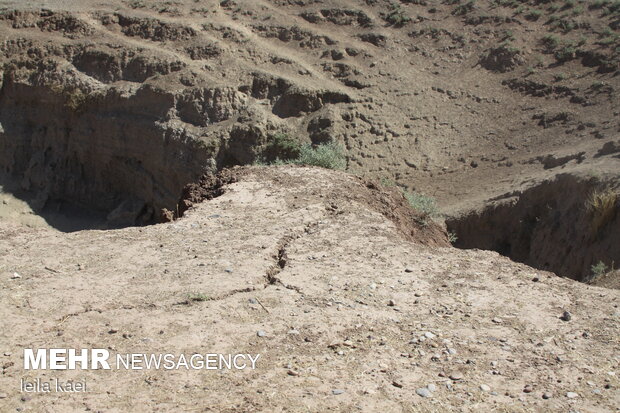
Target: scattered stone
15	276
112	331
7	354
398	384
417	294
547	395
497	320
423	392
293	332
456	376
391	303
3	396
451	351
292	373
261	333
431	387
566	316
228	270
252	301
429	335
528	389
336	392
408	269
572	395
535	279
485	388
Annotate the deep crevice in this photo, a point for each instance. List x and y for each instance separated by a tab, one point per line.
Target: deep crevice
552	226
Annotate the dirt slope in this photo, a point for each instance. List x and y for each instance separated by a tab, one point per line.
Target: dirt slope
354	316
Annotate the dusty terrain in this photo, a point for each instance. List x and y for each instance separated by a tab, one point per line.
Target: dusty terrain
344	300
115	106
504	111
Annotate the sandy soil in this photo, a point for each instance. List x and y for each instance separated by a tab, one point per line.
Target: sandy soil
346	314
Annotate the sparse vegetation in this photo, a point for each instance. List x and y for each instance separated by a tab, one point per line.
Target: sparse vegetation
284	150
198	297
602	205
599	269
423	204
396	16
452	237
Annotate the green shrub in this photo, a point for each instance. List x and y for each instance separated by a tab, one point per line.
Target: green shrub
533	14
329	155
598	270
423	204
281	147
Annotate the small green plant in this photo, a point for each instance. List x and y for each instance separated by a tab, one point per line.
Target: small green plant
602	205
452	237
566	53
551	42
533	14
396	16
599	269
423	204
198	297
559	77
599	4
281	147
463	9
328	155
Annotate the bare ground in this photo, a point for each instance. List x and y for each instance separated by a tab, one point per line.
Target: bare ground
325	311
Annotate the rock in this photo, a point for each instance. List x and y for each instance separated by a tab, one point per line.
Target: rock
423	392
528	389
292	373
408	269
15	276
456	376
566	316
391	303
497	320
336	392
485	388
429	335
3	396
252	301
451	351
293	332
547	395
261	333
572	395
398	384
431	387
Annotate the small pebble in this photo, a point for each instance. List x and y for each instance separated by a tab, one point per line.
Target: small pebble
398	384
336	392
572	395
497	320
429	335
252	301
391	303
261	333
547	395
3	396
292	373
485	388
15	276
408	269
423	392
456	376
293	332
431	387
528	389
566	316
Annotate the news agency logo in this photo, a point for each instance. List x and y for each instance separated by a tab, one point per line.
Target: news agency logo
99	359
